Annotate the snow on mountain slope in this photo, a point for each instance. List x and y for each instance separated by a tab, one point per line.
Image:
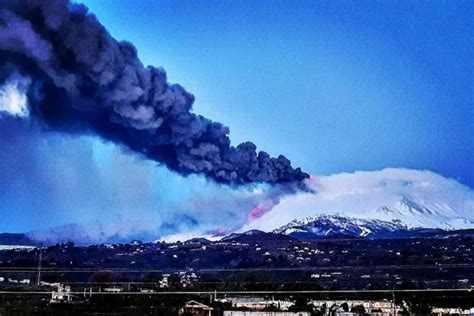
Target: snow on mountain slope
254	236
418	198
336	225
253	232
422	214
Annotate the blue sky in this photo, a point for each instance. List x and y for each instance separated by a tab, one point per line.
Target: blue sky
334	85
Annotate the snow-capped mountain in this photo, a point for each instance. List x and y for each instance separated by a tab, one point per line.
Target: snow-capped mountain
404	216
338	226
421	214
418	198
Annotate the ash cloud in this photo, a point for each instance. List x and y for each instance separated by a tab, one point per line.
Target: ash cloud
63	188
83	81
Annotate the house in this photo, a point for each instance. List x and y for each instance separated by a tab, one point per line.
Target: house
146	291
385	307
256	303
194	308
62	295
25	281
113	289
164	282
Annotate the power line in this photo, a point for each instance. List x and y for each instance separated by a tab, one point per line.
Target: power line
191	269
389	291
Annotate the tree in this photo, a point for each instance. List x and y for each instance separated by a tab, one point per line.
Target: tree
345	307
359	309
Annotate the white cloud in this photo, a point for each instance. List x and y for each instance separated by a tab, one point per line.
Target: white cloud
361	194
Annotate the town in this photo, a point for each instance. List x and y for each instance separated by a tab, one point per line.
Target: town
265	274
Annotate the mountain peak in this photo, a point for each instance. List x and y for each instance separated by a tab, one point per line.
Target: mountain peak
419	213
409	205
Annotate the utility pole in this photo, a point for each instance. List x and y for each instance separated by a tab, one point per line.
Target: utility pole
38	280
393	302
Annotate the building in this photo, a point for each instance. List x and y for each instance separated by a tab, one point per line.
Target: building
256	303
164	282
25	281
452	311
62	294
146	291
113	289
187	278
193	308
379	307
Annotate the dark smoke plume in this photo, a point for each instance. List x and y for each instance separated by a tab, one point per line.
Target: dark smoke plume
81	80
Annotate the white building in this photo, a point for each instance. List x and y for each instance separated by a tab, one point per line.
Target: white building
257	303
164	282
63	294
113	289
386	306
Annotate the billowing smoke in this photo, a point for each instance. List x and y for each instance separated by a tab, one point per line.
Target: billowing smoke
63	187
78	79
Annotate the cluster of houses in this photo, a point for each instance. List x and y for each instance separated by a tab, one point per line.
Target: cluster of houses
186	279
255	306
451	311
62	294
15	281
256	303
194	308
260	305
355	307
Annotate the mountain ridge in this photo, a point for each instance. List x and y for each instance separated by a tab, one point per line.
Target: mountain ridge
326	226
